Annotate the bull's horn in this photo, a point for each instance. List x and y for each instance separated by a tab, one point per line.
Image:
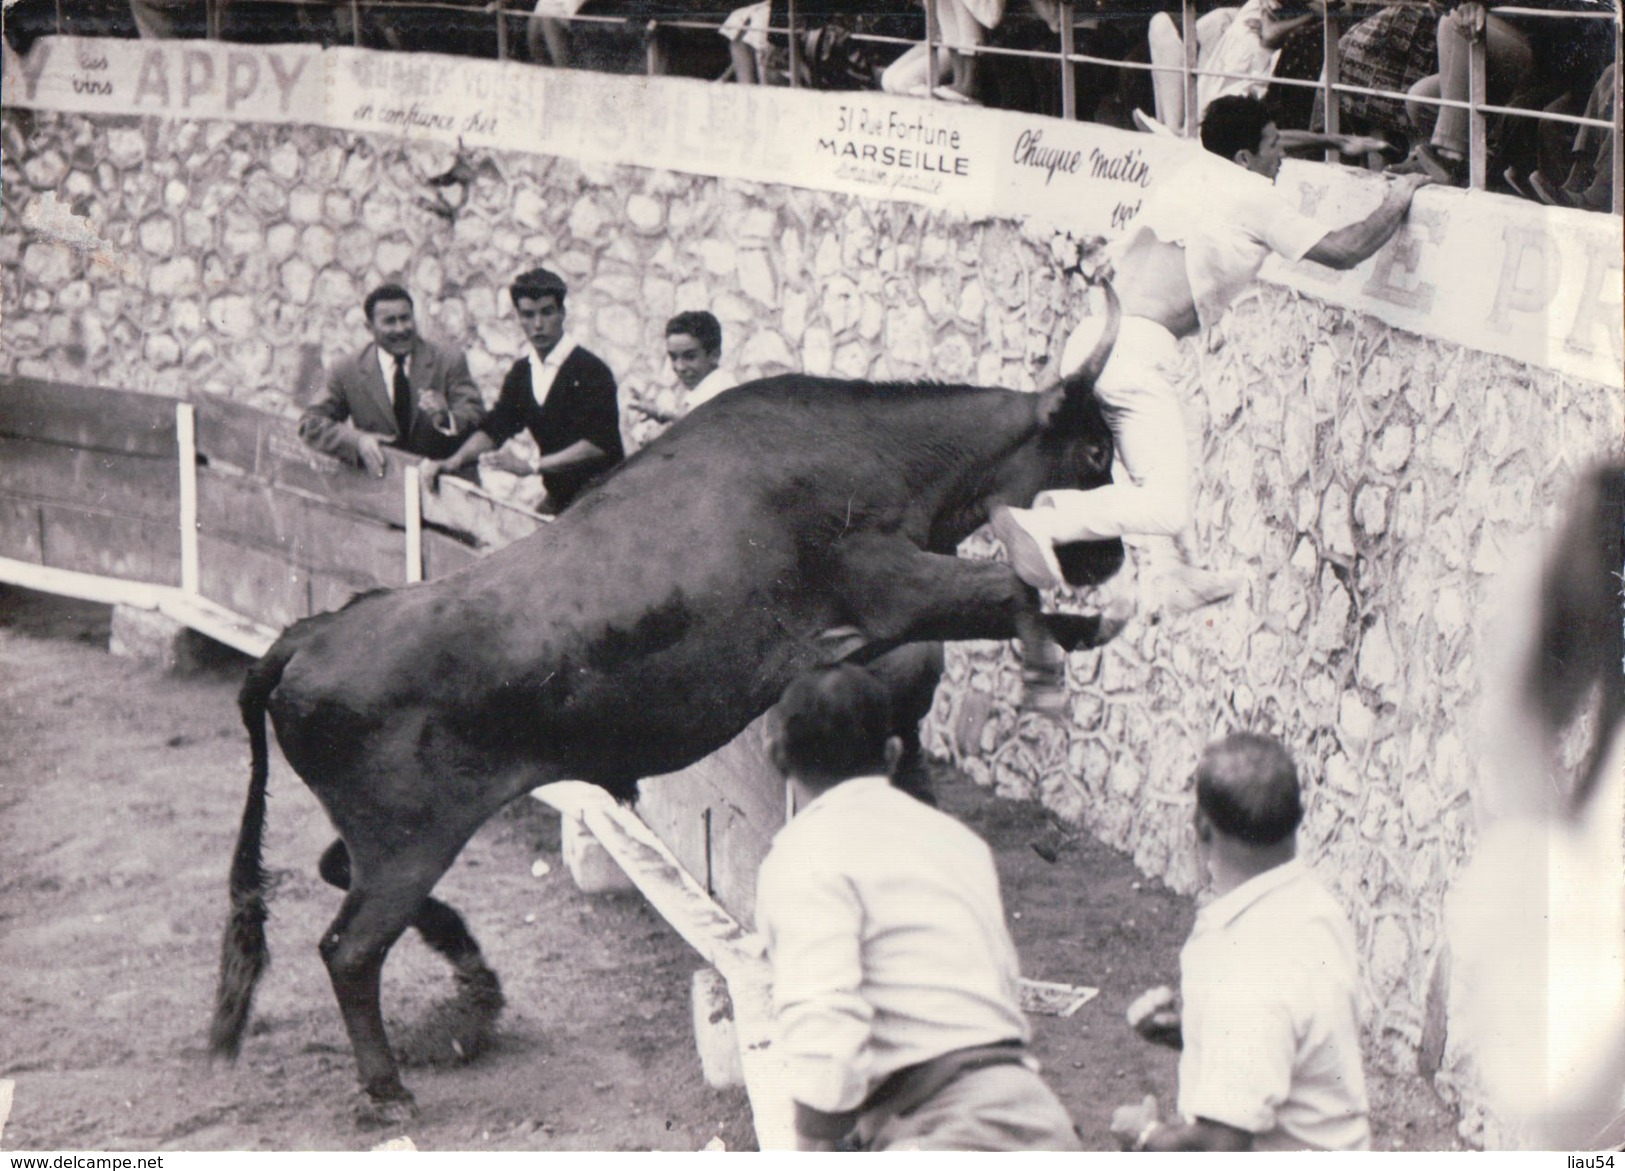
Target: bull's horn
1085	375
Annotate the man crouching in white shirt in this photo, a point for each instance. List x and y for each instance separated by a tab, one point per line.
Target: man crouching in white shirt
1269	1033
895	980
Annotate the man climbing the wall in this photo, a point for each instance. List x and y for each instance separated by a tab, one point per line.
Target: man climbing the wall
1197	244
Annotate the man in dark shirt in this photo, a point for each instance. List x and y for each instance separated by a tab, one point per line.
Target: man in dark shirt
560	392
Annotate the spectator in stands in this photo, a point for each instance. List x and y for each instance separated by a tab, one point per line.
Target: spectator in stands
1589	183
1267	1022
1536	921
1296	32
399	390
1391	50
694	345
1167	45
895	980
962	26
560	392
1529	60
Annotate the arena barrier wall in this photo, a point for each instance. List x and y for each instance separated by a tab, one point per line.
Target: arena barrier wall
1372	447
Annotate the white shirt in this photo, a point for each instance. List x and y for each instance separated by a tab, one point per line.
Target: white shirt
386	363
544	370
1228	219
1239	51
1269	982
709	387
887	937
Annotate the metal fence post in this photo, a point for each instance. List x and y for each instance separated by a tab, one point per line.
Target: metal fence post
795	45
1187	15
1619	116
1331	68
1477	124
1069	80
933	33
502	31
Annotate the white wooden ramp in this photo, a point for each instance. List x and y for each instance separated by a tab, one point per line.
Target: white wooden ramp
736	953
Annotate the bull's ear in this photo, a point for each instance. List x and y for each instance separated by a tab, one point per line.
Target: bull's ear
1084	377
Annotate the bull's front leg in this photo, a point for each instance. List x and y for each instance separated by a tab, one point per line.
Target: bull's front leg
899	593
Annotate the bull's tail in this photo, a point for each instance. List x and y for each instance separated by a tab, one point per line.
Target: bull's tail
244	955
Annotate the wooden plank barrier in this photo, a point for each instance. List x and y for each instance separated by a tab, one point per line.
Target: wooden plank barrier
88	481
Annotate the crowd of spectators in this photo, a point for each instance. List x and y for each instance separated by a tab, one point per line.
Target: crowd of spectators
1004	53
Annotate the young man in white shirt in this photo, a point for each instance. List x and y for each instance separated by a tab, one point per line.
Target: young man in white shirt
1268	1031
895	980
694	345
1197	244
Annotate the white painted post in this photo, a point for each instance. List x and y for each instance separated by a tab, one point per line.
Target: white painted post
186	440
414	524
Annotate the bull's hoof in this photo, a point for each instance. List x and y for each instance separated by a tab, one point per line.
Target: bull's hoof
374	1113
456	1030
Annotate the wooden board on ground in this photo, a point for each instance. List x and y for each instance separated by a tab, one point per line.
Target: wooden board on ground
268	447
734	798
90	417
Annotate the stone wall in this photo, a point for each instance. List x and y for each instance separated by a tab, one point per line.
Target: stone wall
1371	483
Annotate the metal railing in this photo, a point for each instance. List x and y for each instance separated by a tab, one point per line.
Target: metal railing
1330	85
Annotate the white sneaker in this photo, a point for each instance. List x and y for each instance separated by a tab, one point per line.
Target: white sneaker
1032	553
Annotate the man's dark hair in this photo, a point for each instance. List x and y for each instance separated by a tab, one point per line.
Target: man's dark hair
703	327
384	293
536	284
1247	786
1235	123
834	722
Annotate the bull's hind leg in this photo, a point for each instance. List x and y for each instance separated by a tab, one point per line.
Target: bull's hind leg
458	1029
386	895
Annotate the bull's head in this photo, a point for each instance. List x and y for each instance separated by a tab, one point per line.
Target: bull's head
1073	449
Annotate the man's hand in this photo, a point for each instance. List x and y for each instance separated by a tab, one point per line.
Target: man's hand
1130	1122
432	403
429	473
1414	181
1470	19
803	1143
1155	1016
371	452
1364	144
507	461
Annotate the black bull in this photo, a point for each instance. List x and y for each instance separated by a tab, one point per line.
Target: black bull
789	522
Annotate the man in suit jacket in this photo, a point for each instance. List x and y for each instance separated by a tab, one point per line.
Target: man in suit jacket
560	392
398	390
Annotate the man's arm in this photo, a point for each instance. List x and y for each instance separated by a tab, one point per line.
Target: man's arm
1349	144
582	451
1347	247
811	920
463	399
326	427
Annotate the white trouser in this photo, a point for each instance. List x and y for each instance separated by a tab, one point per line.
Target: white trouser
1151	491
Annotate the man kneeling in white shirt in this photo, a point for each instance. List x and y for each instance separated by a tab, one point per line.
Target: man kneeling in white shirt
1269	1032
895	980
